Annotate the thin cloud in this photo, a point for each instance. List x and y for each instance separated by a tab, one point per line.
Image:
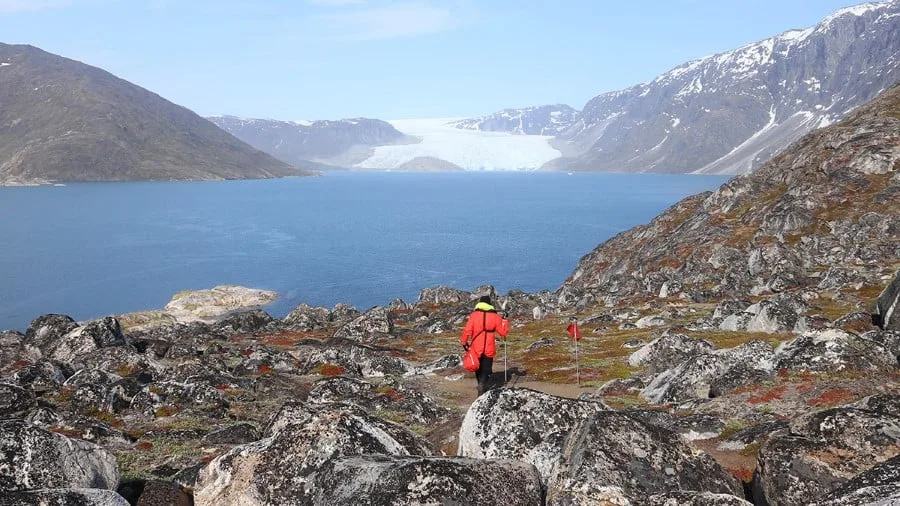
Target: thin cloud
389	22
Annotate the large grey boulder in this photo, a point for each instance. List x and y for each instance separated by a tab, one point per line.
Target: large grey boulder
522	424
300	442
304	318
381	479
711	375
247	322
45	330
821	451
887	307
879	485
85	339
33	458
584	452
668	351
610	453
63	497
369	326
43	376
833	350
15	401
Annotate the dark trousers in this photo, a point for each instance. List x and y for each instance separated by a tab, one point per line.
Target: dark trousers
483	375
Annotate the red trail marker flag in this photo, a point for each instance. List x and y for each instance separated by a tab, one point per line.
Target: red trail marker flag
574	331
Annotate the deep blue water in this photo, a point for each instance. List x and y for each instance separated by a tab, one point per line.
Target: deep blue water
90	250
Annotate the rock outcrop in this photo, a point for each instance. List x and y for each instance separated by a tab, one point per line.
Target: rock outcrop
584	452
33	459
284	467
211	305
822	451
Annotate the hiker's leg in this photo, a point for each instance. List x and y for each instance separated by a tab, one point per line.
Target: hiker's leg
484	373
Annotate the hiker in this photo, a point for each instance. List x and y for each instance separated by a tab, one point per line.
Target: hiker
483	324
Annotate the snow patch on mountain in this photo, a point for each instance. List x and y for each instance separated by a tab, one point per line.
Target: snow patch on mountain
469	149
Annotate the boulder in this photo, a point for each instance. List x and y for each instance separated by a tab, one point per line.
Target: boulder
650	321
772	317
85	339
122	361
44	331
668	351
34	458
688	498
382	479
610	452
522	424
413	406
301	441
729	307
304	318
165	398
879	485
711	375
41	377
369	326
887	307
63	497
15	351
15	401
342	313
833	350
93	390
821	452
247	322
441	296
352	359
585	453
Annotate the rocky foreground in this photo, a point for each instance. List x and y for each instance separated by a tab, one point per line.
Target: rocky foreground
743	350
336	405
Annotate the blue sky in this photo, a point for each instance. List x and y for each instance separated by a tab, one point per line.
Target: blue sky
392	59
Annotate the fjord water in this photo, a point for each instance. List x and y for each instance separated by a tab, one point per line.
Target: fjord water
95	249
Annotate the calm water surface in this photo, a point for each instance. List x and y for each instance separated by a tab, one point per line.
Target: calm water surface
89	250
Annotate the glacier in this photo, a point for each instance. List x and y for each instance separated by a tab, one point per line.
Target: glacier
468	149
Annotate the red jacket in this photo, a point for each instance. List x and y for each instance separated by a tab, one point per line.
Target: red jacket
483	324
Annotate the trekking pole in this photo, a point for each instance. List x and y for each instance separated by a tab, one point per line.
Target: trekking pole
505	339
576	335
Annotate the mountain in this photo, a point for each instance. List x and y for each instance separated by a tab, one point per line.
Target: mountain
729	112
342	143
542	120
824	212
66	121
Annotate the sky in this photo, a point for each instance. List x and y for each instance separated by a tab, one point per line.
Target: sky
392	59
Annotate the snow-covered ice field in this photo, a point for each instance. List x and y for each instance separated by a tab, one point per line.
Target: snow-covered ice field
469	149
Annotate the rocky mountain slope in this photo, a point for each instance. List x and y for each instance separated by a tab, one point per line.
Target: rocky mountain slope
62	120
340	143
730	112
549	120
824	211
